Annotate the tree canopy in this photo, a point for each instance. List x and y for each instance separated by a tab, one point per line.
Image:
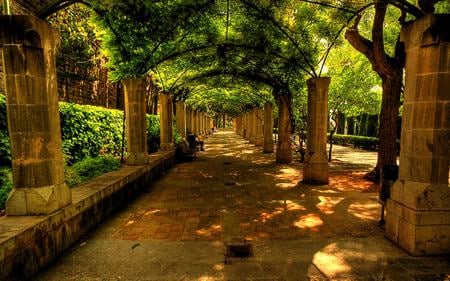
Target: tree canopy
226	55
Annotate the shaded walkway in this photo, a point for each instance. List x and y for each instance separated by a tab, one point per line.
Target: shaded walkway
179	229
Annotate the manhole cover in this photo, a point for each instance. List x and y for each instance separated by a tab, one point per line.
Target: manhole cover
230	183
238	251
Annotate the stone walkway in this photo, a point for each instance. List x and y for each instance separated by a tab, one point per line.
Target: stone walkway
233	195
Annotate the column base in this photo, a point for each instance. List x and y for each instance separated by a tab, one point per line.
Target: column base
166	147
38	201
316	173
268	148
137	159
284	153
419	232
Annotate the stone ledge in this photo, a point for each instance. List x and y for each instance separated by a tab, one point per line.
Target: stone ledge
419	217
28	243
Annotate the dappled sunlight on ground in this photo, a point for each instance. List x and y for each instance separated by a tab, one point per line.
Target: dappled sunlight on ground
309	221
328	260
365	211
268	201
348	258
327	204
180	227
352	181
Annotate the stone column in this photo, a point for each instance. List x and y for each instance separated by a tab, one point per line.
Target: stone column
207	127
166	121
245	134
201	123
315	167
194	122
252	126
28	49
268	128
418	212
237	120
181	118
188	120
192	111
259	127
136	123
284	154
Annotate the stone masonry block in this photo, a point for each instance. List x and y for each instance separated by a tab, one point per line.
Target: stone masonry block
14	59
34	58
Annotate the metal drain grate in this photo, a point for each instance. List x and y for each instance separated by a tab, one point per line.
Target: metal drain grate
229	183
238	251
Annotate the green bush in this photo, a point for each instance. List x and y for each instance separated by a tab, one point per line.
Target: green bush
89	168
88	131
6	185
356	141
5	152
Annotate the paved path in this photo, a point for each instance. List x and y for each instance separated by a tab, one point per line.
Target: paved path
179	229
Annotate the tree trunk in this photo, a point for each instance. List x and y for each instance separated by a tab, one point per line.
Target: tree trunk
390	69
387	152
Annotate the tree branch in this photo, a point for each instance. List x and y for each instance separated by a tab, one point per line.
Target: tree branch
381	58
358	42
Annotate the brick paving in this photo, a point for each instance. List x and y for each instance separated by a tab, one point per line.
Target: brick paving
232	192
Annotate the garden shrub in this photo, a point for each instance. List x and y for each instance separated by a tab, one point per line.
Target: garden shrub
370	143
153	140
88	131
89	168
5	152
6	185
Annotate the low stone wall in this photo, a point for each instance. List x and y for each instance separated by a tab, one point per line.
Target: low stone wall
28	243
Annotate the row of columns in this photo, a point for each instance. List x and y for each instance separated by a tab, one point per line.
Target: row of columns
28	50
256	126
418	214
193	121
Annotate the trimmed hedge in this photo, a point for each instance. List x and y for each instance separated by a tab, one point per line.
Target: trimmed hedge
87	131
5	152
89	168
369	143
6	185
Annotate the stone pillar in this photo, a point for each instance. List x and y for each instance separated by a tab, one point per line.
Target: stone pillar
284	154
238	124
315	167
268	128
181	118
418	212
252	126
166	121
194	122
188	120
259	126
28	49
207	127
136	123
245	134
202	124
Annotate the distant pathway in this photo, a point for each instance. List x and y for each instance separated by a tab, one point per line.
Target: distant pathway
233	194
